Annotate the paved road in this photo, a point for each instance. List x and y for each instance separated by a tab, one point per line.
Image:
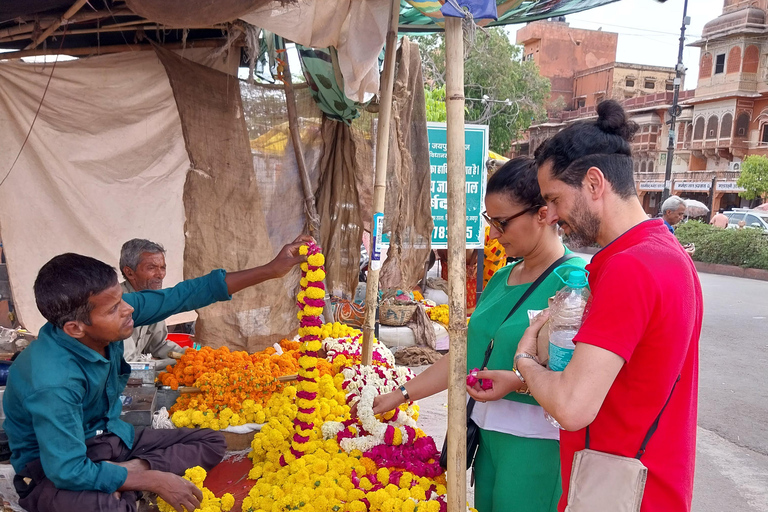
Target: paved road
732	455
732	462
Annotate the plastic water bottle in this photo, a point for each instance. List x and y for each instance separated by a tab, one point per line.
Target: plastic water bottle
565	321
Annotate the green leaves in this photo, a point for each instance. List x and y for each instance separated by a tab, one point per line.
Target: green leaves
746	248
492	68
754	177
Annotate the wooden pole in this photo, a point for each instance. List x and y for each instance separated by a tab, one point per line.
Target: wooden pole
56	24
457	270
380	183
310	208
142	25
115	48
28	26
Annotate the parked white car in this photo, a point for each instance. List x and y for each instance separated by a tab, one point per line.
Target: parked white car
752	218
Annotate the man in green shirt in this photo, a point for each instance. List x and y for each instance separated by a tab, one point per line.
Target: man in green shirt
70	449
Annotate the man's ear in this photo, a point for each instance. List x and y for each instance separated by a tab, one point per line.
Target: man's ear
595	182
541	214
128	272
74	328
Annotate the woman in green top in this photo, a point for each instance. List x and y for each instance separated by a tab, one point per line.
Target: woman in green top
517	467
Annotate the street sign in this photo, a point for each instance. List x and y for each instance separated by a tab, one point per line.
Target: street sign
693	186
652	186
729	186
476	151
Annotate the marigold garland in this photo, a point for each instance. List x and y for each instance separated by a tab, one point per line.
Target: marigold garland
310	302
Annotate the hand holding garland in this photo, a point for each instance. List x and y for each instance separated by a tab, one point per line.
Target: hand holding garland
286	259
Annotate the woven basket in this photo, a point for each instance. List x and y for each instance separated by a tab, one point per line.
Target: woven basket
396	315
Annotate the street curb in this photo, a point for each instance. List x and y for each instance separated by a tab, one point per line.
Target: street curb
711	268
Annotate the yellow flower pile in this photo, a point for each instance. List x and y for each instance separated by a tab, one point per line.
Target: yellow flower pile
331	480
251	412
439	314
210	502
338	330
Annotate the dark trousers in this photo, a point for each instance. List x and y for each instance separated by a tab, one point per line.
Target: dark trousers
172	451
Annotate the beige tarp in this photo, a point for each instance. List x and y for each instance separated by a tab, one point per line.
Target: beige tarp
324	23
226	222
407	211
105	163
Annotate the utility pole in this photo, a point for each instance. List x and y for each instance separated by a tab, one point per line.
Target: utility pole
675	110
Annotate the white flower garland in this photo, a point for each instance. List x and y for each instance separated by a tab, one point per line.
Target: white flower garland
370	423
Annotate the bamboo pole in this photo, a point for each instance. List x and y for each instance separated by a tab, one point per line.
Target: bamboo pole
116	48
380	184
139	25
28	26
310	208
56	24
457	270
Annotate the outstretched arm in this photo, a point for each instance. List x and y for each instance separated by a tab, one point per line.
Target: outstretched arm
286	259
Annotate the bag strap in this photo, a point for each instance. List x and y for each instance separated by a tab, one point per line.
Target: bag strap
651	430
521	300
655	425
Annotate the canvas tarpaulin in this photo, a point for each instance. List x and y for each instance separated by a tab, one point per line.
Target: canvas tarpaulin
226	222
356	28
407	214
104	163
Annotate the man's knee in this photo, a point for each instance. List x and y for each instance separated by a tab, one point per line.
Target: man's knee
215	443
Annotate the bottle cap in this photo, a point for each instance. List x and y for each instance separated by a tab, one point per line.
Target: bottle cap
577	279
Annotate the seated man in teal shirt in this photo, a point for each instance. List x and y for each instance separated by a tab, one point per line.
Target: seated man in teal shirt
70	449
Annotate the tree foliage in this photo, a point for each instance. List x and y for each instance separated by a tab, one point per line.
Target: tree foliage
493	69
754	177
435	99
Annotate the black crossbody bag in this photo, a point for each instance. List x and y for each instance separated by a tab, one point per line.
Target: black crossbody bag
473	431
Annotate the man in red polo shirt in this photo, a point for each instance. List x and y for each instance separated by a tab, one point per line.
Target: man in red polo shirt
642	325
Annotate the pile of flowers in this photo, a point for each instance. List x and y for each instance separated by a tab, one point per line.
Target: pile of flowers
315	457
227	379
439	314
249	371
348	350
210	502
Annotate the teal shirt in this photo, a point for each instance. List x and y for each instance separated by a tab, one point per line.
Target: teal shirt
60	392
488	322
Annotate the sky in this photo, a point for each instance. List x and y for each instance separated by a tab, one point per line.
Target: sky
649	31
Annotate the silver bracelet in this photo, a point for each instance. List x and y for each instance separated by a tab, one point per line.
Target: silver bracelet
519	375
524	355
405	393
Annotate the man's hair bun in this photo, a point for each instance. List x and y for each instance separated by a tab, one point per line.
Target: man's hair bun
612	119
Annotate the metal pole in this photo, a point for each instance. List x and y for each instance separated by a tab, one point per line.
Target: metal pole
380	183
457	266
675	109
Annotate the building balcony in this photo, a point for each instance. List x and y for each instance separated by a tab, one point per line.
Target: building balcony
727	147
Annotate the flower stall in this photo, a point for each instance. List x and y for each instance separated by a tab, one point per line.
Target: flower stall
310	453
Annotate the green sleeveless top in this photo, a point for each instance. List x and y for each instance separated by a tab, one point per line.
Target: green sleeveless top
496	301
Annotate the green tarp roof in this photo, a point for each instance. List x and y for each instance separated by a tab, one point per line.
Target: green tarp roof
424	15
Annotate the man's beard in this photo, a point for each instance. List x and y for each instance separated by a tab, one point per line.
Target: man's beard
584	226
